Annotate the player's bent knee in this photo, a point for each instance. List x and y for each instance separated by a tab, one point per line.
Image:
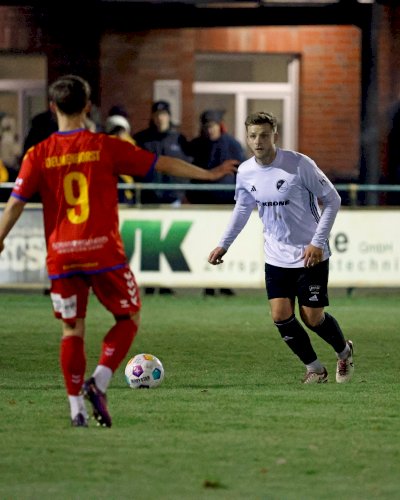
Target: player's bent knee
73	329
135	317
70	333
313	320
281	318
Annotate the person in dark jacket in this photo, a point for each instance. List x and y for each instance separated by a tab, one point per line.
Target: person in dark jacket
213	147
162	137
42	125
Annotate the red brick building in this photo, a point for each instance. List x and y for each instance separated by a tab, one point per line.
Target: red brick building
348	71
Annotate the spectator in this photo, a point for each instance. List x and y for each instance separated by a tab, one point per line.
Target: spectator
213	147
45	123
9	152
118	109
42	125
162	138
4	177
118	125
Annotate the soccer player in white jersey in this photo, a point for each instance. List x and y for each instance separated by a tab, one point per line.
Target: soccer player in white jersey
286	188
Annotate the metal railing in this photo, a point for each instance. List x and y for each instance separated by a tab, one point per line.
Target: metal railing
353	190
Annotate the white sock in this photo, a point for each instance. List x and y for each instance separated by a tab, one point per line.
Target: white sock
345	353
102	376
77	405
315	366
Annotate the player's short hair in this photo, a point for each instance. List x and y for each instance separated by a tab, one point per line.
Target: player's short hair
70	93
260	118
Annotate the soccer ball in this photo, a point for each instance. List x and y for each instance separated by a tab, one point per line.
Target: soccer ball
144	371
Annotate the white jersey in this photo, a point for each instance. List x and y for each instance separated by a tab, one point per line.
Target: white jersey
286	194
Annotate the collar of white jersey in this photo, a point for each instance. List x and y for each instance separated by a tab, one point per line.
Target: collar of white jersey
274	163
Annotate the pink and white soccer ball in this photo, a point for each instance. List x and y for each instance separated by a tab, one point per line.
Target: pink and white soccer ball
144	371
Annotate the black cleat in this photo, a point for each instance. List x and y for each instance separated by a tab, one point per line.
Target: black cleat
99	402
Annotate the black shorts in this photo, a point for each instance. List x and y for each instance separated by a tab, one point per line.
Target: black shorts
308	284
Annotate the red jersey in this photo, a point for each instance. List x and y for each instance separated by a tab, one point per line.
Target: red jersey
76	175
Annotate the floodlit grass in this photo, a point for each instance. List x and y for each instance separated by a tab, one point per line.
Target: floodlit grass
231	419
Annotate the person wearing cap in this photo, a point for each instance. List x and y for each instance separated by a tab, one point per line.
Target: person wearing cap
213	147
117	124
162	137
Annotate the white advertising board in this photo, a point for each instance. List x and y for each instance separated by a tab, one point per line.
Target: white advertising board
169	247
365	248
23	259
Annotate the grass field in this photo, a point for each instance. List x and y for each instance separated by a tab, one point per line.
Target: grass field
231	419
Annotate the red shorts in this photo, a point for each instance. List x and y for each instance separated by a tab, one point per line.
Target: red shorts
116	290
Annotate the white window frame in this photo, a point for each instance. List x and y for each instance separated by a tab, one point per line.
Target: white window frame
243	91
23	88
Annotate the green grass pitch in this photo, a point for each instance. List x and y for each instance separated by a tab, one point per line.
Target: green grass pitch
231	419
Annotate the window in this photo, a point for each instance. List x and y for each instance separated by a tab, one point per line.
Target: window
244	83
22	95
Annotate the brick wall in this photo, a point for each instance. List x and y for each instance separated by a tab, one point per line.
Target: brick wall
123	66
329	83
329	114
70	42
131	62
19	30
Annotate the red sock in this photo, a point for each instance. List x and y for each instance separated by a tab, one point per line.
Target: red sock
73	363
117	342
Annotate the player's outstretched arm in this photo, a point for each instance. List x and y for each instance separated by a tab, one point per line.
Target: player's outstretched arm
9	217
216	255
180	168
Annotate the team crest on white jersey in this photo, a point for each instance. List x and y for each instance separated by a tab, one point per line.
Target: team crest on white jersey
282	186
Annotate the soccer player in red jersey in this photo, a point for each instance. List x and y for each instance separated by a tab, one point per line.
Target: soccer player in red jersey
75	171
